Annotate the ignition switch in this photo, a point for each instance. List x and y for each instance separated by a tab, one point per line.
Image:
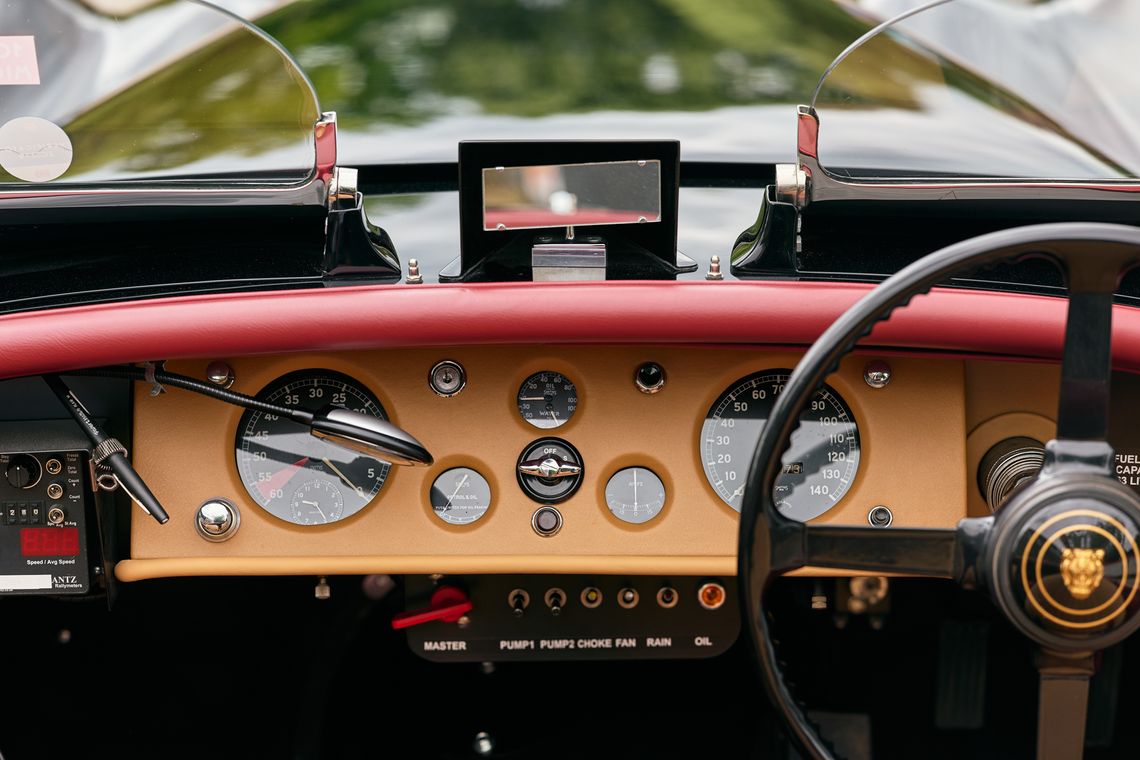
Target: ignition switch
550	470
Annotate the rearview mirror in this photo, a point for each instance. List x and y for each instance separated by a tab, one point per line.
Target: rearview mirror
556	195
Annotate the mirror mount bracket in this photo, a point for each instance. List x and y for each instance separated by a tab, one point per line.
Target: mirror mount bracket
768	248
567	260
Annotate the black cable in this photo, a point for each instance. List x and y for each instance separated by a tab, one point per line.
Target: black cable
163	377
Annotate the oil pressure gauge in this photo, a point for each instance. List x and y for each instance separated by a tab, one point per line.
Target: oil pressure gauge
547	400
635	495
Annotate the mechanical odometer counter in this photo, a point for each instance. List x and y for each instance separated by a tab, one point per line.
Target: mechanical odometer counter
819	466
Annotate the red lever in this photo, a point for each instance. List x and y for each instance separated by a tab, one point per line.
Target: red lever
448	604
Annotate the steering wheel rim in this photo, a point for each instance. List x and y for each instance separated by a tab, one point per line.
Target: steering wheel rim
977	552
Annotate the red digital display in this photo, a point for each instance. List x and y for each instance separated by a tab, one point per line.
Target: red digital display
49	542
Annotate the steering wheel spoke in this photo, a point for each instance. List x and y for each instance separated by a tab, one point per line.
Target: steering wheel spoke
1062	704
1086	367
932	553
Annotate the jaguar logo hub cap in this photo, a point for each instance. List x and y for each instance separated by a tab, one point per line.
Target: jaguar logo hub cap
1066	564
1078	567
1082	570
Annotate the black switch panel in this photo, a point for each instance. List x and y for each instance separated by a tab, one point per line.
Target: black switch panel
577	617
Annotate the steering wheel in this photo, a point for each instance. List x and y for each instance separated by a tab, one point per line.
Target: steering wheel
1059	558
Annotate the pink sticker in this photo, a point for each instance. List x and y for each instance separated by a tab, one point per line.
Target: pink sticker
18	60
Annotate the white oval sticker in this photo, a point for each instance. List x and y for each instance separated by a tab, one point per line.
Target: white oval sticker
34	149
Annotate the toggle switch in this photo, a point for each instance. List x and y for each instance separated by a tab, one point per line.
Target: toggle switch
448	604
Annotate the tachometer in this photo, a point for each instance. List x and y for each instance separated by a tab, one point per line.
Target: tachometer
296	476
819	466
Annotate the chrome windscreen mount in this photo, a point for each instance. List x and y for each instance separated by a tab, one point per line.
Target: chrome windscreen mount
808	181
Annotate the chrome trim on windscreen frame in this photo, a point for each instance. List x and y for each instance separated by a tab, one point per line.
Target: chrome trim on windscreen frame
821	185
313	191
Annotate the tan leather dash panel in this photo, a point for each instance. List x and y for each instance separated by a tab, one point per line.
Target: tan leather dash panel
913	435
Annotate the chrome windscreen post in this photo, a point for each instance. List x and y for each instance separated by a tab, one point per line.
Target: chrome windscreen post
324	141
342	188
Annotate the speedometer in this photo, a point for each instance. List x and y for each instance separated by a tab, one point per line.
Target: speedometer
292	474
819	466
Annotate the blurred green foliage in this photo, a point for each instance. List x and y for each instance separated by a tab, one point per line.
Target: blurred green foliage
408	61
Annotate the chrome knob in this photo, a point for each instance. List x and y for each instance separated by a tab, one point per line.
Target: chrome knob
550	468
217	520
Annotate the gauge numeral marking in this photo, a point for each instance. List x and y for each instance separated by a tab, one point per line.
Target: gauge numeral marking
823	455
340	482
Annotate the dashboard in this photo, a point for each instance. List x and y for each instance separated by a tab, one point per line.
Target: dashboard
583	466
911	446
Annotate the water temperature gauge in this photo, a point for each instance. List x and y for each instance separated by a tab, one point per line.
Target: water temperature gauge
547	400
635	495
460	496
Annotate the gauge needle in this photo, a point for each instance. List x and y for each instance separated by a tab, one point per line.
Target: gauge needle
737	492
532	398
342	476
449	498
553	416
280	478
318	506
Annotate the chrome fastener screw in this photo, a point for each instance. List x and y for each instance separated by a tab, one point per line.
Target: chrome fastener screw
483	744
877	374
322	591
714	272
880	516
220	373
414	277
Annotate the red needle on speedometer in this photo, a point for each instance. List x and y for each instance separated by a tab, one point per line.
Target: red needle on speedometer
280	478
